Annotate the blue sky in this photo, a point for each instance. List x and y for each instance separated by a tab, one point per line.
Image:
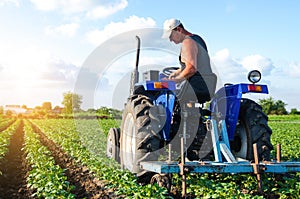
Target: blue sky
45	43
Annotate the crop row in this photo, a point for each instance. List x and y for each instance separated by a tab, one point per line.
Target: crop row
5	136
4	123
287	135
86	143
45	177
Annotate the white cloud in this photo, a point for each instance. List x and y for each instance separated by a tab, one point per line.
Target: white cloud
228	68
30	66
235	70
68	30
104	11
96	37
258	62
7	2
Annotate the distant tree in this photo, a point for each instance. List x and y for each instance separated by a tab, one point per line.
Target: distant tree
267	104
271	106
1	110
71	102
47	106
56	108
91	110
24	106
37	108
9	113
294	111
280	108
109	112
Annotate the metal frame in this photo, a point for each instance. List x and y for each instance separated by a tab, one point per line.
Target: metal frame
221	149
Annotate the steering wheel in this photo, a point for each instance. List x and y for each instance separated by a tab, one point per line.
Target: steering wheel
168	70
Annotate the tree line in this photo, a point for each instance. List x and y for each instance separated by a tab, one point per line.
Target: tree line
271	106
72	107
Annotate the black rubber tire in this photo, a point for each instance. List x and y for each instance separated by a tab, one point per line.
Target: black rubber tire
140	134
113	144
252	128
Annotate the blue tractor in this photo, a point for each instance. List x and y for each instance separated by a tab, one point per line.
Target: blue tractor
156	121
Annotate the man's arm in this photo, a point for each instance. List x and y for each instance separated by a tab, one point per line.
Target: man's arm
189	57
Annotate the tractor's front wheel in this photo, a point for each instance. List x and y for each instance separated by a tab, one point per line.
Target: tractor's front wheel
140	138
113	144
252	128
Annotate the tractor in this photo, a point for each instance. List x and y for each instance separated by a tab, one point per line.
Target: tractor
159	121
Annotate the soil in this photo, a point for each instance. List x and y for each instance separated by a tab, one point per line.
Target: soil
14	169
86	184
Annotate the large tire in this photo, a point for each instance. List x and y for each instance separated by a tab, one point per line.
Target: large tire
140	134
252	128
113	144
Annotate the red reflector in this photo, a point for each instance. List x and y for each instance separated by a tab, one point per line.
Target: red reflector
164	85
157	85
254	88
161	85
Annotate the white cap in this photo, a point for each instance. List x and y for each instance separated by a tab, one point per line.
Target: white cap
169	25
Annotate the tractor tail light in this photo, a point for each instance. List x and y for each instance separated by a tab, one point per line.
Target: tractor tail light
254	88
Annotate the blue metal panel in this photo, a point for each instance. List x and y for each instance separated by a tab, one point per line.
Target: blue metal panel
216	167
167	100
227	103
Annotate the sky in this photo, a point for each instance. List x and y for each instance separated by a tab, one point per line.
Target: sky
49	47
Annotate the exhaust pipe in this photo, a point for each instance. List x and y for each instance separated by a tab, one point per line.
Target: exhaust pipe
135	72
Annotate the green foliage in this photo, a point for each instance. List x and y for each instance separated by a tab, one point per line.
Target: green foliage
286	133
71	102
110	112
6	135
46	178
1	111
271	106
85	141
294	111
47	106
9	113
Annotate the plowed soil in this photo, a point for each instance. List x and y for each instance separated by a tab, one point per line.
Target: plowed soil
15	169
86	185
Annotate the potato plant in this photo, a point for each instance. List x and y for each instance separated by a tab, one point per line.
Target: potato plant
85	141
45	177
5	136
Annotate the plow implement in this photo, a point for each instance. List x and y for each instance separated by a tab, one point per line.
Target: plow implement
225	162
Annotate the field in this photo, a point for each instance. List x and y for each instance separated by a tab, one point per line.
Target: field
65	158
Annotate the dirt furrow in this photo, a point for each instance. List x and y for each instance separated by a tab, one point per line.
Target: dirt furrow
14	169
86	185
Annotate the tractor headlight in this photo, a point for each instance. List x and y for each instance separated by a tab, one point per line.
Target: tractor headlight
254	76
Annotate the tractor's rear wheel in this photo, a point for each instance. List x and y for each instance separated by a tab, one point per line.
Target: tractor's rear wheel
140	137
252	128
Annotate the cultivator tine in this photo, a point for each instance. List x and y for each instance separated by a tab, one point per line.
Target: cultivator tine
278	153
257	170
183	154
170	152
